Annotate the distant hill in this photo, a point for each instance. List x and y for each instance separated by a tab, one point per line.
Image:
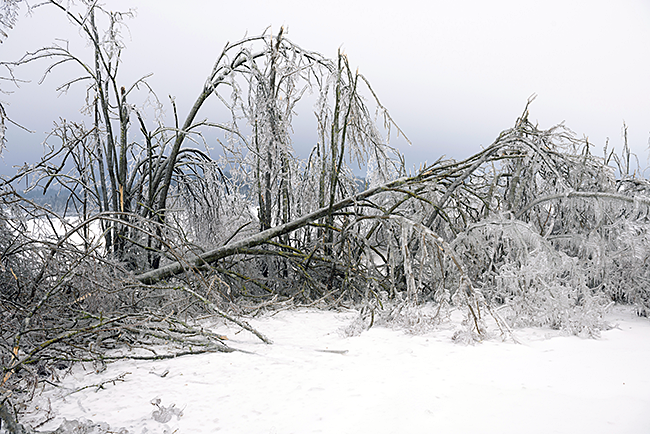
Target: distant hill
52	199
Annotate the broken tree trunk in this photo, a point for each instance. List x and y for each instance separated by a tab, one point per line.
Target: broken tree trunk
233	248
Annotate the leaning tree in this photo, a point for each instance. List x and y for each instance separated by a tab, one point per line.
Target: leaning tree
155	230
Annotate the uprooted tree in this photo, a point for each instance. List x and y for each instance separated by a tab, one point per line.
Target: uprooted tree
154	232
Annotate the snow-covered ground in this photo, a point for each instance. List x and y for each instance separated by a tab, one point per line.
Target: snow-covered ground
43	228
314	379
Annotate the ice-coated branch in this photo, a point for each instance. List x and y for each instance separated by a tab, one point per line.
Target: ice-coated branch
584	195
263	237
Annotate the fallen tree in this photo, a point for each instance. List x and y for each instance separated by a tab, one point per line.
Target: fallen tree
154	235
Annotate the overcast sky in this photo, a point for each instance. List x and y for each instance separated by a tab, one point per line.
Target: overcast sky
453	74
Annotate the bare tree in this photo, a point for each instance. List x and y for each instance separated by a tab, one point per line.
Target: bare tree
532	230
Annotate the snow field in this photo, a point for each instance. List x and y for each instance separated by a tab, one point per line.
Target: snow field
313	379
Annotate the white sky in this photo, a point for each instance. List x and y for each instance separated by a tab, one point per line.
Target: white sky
452	74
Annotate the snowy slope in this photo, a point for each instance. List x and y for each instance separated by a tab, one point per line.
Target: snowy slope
313	379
